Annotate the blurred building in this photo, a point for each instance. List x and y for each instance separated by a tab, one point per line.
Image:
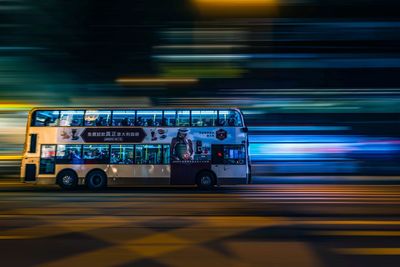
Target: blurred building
317	80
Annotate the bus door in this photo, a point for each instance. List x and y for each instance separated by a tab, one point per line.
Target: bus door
229	161
30	161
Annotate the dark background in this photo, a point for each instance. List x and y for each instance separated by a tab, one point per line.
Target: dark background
318	81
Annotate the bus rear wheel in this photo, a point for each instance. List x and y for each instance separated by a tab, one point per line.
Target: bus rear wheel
96	180
67	179
205	180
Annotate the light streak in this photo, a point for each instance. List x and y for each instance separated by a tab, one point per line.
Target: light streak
10	157
156	81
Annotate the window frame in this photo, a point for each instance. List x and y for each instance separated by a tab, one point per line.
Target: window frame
235	112
54	159
109	122
83	118
150	110
216	120
135	122
81	154
190	118
106	162
162	153
161	157
34	116
222	161
163	117
123	164
112	117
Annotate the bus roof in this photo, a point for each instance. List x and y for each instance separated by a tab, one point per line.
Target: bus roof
135	108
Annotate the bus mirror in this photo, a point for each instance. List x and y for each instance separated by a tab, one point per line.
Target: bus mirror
245	129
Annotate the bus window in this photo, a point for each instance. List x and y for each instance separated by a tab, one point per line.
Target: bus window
69	154
234	154
183	118
121	154
96	154
47	161
166	154
123	118
148	118
228	154
230	118
204	118
45	118
97	117
71	118
148	154
169	118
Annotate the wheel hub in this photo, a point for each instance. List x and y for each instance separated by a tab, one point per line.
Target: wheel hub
67	180
96	180
206	180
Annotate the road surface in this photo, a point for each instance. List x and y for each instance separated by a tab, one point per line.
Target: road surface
254	225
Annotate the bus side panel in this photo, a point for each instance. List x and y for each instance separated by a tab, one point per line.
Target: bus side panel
139	174
184	173
231	174
81	169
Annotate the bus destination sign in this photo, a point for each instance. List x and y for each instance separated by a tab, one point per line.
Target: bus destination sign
111	135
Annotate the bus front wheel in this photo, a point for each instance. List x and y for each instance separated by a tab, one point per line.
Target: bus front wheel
96	180
205	180
67	179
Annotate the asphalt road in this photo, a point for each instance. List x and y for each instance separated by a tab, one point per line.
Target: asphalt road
254	225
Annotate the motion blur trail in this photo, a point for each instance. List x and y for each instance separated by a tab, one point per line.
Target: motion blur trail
254	225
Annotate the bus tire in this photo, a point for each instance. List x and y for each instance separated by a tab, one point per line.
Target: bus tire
205	180
96	180
67	179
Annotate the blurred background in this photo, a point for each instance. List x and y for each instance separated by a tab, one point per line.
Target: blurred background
318	81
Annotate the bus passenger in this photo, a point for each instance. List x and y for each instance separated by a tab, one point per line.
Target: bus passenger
47	121
125	122
232	120
140	121
100	122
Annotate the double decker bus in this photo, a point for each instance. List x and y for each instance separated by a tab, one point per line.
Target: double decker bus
98	147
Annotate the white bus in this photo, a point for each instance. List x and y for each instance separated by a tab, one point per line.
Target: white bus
122	146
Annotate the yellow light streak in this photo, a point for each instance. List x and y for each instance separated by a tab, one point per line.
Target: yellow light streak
156	81
235	2
236	7
15	106
10	157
